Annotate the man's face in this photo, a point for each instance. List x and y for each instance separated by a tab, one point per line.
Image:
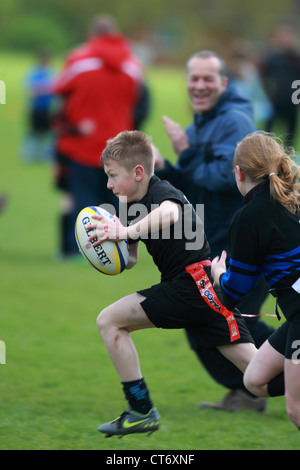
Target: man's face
204	83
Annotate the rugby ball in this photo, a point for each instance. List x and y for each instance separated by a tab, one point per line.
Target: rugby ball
109	257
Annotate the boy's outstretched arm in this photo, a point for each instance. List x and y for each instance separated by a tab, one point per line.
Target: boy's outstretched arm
163	216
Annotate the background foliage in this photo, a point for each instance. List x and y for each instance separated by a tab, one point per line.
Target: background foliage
171	24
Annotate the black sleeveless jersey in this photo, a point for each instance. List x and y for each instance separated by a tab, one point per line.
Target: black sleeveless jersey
179	245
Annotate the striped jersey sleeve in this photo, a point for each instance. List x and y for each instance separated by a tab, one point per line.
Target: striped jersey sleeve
264	238
239	279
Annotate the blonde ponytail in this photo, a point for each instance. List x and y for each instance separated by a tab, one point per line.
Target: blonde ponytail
262	157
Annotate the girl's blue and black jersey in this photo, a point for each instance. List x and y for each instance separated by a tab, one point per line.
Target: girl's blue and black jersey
264	238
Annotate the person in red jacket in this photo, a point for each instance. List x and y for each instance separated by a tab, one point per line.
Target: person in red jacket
100	86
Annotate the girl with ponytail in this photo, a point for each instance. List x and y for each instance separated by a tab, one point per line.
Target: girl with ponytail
264	238
262	157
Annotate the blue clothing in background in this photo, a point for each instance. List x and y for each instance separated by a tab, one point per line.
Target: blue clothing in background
38	83
204	171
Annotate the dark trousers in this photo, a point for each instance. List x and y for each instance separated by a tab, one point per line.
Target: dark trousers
288	115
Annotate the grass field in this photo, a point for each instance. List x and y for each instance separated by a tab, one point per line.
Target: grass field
58	384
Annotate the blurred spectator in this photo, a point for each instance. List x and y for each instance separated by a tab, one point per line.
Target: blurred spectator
103	93
143	106
279	68
244	74
38	143
3	202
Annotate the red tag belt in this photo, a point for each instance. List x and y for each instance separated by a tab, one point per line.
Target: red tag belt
208	294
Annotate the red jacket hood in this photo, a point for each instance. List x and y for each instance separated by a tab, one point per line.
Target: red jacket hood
113	49
100	82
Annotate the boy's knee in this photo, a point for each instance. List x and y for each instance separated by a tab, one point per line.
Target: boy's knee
248	382
293	411
103	320
253	385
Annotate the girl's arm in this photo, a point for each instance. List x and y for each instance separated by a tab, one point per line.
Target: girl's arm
218	267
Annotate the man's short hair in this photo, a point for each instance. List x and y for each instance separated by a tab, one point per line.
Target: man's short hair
103	24
130	148
205	55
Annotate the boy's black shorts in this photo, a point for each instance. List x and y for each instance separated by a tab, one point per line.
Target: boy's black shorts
178	304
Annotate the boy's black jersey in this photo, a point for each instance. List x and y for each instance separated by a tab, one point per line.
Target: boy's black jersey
264	238
180	244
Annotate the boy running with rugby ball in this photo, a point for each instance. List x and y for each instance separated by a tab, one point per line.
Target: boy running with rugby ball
170	229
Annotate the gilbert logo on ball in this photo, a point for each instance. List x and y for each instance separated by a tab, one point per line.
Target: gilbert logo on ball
109	257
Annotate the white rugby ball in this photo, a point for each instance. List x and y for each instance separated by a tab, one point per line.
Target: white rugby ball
109	257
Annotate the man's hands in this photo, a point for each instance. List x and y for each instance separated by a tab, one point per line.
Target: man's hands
178	137
179	141
218	267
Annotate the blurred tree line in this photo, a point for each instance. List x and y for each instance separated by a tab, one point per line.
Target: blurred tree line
170	25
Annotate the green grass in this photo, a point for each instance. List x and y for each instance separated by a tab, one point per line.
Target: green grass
58	384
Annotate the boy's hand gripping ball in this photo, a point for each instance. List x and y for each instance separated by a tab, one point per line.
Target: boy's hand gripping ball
109	257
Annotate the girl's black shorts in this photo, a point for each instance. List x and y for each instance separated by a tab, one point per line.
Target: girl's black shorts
286	339
178	304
